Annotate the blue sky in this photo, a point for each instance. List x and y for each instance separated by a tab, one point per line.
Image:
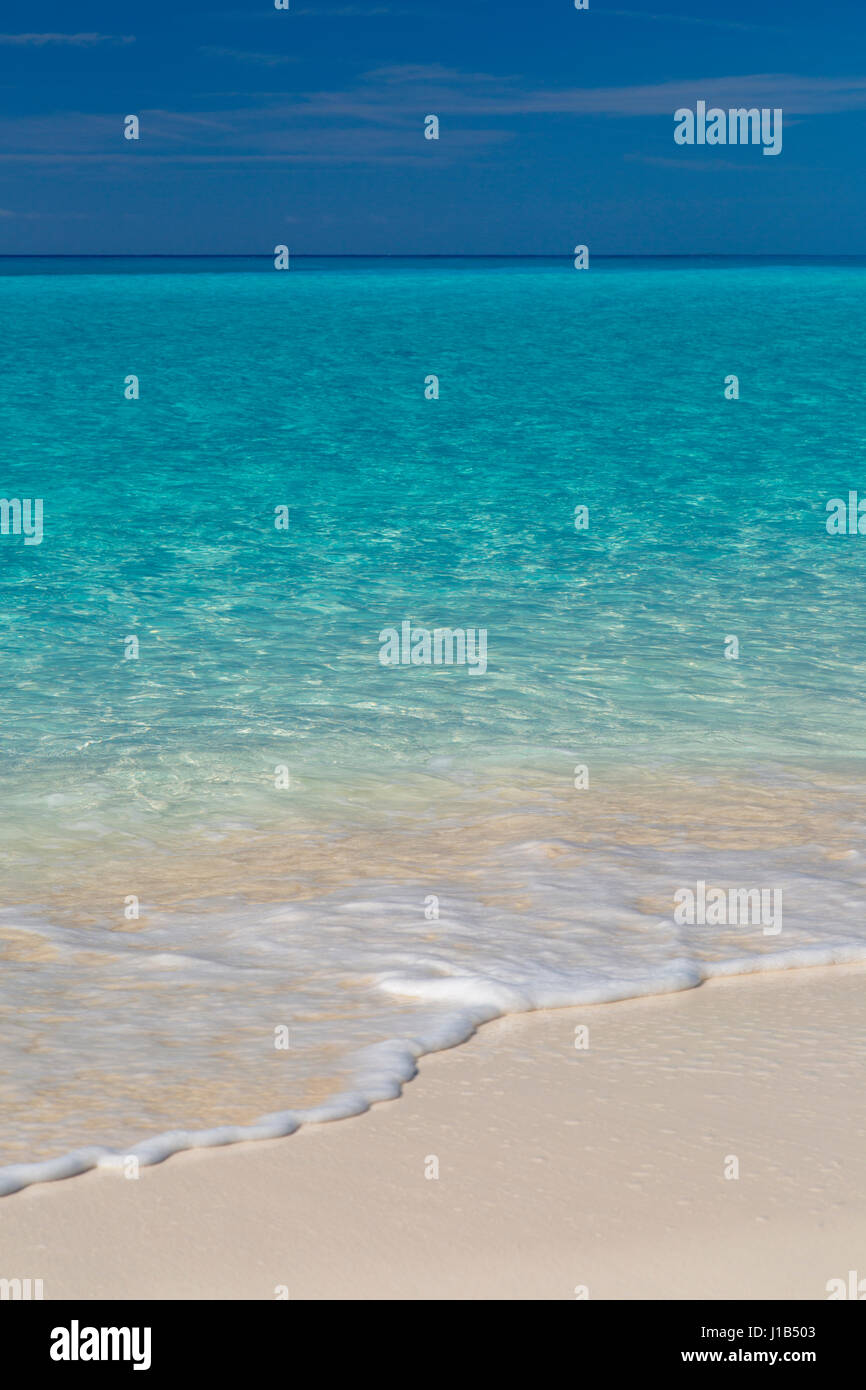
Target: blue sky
305	127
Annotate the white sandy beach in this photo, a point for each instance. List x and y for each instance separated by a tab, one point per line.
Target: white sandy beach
558	1168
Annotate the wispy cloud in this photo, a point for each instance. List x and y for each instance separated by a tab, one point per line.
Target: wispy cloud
322	11
702	166
240	55
8	214
485	95
351	11
72	40
379	119
394	95
273	133
693	20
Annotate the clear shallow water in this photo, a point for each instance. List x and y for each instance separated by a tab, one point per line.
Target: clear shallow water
305	907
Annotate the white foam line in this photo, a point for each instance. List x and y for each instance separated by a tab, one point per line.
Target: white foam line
383	1069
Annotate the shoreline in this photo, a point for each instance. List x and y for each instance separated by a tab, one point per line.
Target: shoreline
373	1083
510	865
558	1168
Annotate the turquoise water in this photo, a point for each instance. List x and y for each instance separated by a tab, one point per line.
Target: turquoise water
259	649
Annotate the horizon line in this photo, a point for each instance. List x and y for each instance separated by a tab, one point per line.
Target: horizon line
423	255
